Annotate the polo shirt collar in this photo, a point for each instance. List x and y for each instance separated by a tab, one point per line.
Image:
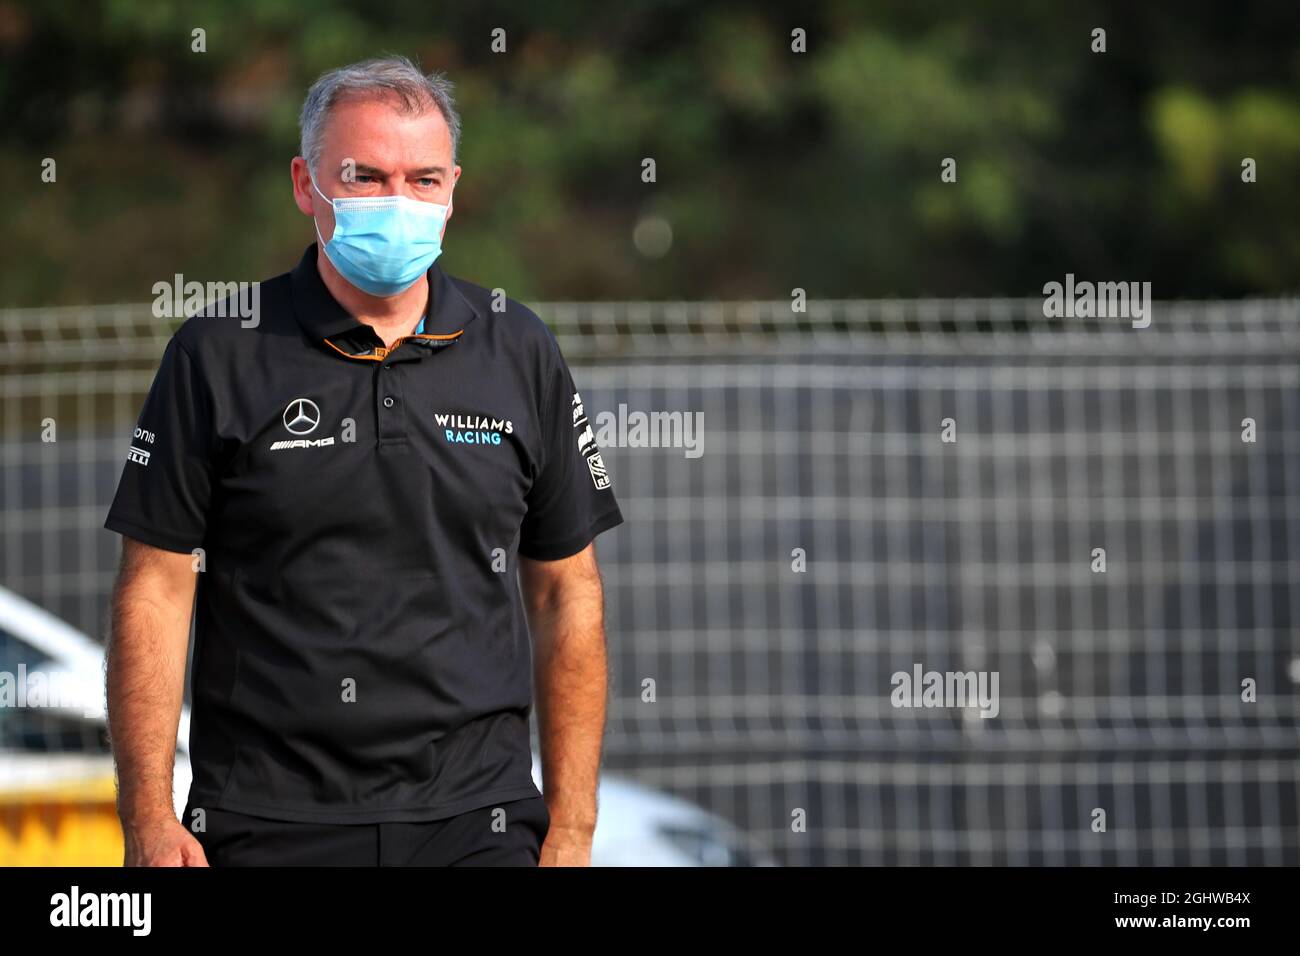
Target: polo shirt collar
323	317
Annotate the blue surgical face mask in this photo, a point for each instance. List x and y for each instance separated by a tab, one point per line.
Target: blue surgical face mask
383	244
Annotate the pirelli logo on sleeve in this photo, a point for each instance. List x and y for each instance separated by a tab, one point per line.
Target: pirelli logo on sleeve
588	447
137	454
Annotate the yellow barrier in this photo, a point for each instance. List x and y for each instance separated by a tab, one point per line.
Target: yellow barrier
72	824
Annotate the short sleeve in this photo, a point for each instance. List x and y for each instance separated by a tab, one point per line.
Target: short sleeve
572	498
163	495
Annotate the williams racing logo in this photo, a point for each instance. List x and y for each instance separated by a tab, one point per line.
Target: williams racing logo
587	445
301	417
473	429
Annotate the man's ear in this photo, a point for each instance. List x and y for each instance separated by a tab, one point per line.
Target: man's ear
302	194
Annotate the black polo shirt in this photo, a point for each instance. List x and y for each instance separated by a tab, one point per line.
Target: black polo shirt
361	649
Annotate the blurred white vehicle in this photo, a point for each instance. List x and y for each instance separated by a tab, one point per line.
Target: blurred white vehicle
638	826
46	749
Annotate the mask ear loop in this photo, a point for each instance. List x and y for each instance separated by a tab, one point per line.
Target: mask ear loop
319	237
315	224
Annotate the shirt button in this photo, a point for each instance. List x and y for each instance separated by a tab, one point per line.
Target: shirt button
388	402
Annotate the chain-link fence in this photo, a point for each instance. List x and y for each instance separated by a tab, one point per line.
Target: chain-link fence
1104	520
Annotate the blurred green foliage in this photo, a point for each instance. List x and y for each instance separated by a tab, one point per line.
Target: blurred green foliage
775	169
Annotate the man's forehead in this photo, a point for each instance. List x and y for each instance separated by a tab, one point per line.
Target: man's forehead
382	123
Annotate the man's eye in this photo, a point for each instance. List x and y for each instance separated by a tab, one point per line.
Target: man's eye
363	178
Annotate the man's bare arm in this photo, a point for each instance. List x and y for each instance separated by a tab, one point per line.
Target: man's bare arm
152	603
566	615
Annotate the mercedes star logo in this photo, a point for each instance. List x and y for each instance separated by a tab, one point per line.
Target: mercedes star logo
302	416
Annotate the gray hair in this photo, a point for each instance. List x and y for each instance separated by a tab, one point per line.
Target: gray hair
389	74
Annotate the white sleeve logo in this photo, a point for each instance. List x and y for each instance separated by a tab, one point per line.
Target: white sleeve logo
588	447
137	454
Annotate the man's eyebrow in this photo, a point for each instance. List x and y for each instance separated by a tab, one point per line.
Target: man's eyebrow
365	170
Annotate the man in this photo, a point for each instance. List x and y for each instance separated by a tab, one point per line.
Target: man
358	484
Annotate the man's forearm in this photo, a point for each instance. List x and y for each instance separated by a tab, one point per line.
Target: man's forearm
145	684
571	675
